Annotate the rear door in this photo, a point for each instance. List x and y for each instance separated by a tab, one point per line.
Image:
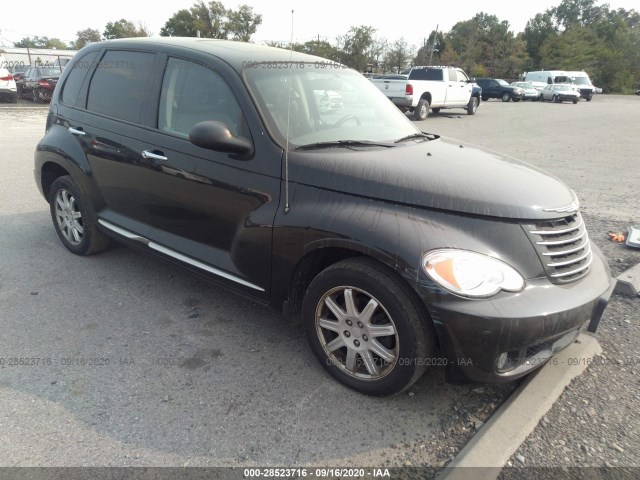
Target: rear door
458	88
205	209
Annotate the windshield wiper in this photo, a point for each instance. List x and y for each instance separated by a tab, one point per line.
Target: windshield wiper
343	143
414	135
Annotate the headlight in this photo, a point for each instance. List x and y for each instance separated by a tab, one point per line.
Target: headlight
471	274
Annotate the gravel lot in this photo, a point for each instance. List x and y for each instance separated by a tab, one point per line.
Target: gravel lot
594	148
241	387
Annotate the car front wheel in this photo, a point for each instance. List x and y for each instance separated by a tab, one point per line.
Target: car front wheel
366	328
74	219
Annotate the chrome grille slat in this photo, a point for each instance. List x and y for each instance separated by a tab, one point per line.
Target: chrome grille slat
565	252
563	247
576	271
563	242
556	232
572	261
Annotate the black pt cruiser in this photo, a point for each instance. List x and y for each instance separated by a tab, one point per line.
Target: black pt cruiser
293	180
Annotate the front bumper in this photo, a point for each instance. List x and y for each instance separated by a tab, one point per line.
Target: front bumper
507	336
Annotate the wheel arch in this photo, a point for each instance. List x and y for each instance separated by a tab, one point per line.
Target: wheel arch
322	254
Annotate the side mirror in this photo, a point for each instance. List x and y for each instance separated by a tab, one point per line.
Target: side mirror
216	136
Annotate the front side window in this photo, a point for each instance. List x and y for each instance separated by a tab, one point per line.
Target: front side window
192	94
120	83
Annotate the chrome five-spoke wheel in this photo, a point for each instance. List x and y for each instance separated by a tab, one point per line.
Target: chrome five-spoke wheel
69	217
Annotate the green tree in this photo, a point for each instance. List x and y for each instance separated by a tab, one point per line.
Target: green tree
398	56
213	20
181	24
41	42
85	37
357	46
242	23
124	29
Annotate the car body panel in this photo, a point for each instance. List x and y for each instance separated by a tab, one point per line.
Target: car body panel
262	222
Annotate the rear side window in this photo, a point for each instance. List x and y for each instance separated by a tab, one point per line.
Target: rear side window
192	94
425	74
75	79
119	84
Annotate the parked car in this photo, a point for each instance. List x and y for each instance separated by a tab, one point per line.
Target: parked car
558	93
8	89
39	82
18	71
328	100
388	243
496	88
530	91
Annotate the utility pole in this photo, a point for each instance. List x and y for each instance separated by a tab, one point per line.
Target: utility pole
433	45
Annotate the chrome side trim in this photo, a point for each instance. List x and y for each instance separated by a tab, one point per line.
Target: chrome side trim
177	255
123	232
573	260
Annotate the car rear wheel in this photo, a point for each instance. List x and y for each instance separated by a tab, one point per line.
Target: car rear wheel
506	97
435	110
34	96
576	101
366	328
485	99
472	106
74	219
555	99
421	111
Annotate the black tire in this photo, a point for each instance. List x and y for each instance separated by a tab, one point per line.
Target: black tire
555	99
472	106
484	99
34	96
65	202
19	90
435	110
403	333
506	97
576	101
589	98
421	111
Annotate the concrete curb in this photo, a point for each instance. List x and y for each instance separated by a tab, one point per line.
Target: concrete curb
500	437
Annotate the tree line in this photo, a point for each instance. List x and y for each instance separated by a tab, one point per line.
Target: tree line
575	35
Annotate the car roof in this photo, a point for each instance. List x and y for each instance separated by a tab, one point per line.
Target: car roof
236	54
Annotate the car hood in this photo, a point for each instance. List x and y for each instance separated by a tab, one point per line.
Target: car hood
441	174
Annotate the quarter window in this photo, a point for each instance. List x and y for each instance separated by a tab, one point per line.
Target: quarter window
119	85
74	81
192	94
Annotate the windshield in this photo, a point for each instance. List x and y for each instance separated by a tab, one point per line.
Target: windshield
581	81
502	82
522	84
325	105
562	87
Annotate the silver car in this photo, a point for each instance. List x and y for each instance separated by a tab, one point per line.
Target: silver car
530	92
560	92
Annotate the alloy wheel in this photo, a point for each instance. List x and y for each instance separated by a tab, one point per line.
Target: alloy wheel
68	217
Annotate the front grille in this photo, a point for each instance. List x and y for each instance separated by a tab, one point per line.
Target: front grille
563	246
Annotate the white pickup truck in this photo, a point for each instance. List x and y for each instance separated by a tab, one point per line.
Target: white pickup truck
431	88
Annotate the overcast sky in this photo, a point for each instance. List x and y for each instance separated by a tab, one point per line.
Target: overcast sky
326	18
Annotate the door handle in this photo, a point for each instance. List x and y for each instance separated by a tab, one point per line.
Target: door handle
153	156
76	131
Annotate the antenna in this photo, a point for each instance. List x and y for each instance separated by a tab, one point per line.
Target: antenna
286	150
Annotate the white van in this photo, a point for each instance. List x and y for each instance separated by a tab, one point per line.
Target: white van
580	79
